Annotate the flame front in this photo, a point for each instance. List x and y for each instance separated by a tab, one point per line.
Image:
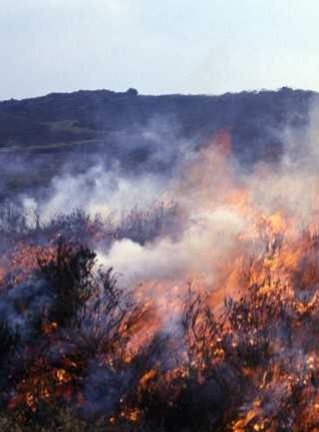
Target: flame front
230	337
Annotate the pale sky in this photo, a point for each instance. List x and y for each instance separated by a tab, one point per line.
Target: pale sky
157	46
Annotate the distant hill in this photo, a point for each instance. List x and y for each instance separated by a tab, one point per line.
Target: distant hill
130	128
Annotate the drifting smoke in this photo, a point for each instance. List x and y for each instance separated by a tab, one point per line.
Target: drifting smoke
221	203
24	304
225	286
217	198
164	258
99	191
133	173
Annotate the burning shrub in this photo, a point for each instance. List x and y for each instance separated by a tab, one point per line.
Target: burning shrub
79	351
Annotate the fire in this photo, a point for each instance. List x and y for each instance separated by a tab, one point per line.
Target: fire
62	376
23	260
147	377
230	341
50	328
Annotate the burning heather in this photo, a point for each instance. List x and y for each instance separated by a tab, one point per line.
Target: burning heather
196	310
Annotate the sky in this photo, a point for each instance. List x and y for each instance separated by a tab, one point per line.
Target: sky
157	47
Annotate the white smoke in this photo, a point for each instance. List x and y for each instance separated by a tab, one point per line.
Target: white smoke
207	238
208	186
99	191
215	223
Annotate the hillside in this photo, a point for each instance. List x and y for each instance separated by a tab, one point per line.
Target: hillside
130	129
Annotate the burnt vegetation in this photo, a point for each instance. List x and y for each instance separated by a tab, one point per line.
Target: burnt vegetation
74	358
